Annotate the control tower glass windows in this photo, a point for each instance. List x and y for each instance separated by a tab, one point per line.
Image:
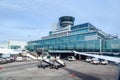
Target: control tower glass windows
66	21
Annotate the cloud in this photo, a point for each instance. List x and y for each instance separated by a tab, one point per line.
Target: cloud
35	17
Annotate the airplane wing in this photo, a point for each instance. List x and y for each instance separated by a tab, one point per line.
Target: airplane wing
113	59
10	51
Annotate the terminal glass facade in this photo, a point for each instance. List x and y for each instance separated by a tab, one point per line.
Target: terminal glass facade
83	38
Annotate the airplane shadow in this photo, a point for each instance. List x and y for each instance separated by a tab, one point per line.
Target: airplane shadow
81	75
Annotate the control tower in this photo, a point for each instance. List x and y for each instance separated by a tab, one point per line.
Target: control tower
65	21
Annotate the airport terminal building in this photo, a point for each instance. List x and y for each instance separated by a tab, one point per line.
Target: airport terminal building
85	37
12	44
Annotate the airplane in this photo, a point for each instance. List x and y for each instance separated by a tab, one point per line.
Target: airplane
109	58
10	51
6	51
5	54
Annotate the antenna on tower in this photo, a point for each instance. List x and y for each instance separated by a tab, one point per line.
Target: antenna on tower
54	27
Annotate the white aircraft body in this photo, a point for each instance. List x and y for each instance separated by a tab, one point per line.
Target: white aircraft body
10	51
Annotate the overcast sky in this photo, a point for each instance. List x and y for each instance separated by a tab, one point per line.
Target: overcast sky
27	20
